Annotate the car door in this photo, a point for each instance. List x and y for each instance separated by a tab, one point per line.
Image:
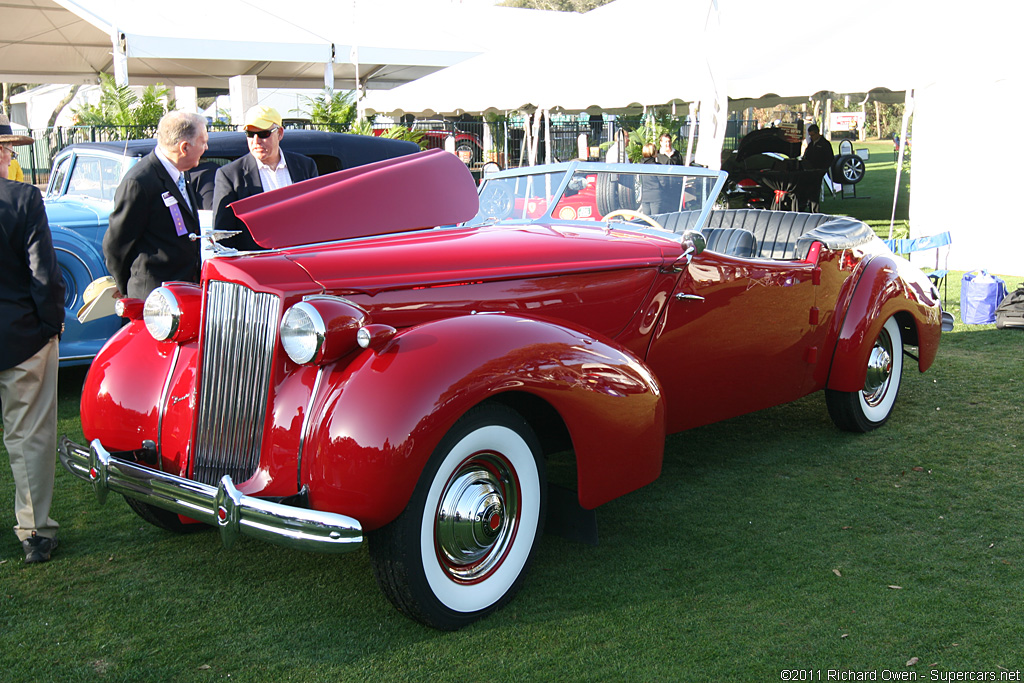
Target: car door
737	336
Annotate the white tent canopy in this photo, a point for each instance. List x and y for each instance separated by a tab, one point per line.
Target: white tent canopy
961	66
595	62
202	43
770	51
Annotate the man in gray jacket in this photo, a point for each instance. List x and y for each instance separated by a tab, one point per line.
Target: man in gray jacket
32	318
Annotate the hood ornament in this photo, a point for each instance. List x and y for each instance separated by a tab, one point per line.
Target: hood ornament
214	237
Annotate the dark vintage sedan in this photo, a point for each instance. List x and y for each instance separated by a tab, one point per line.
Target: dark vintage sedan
399	366
80	197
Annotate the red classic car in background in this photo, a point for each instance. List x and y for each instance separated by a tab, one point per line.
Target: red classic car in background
468	146
373	374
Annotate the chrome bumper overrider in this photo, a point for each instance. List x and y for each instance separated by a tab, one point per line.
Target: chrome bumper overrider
222	506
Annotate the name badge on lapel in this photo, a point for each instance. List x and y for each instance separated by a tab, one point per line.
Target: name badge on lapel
179	223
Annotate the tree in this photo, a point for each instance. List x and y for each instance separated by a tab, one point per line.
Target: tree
11	89
882	118
365	127
334	110
136	115
65	101
650	131
556	5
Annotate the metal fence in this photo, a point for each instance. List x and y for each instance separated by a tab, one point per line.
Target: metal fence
476	142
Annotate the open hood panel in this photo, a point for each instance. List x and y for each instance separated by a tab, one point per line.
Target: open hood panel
417	191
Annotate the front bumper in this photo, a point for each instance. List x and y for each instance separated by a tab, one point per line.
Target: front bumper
223	506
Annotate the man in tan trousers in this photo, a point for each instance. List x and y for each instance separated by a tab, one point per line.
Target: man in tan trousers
31	318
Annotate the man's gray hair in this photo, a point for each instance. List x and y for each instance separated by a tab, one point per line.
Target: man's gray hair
176	126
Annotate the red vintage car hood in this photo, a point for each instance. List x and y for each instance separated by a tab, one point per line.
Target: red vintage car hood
460	255
407	193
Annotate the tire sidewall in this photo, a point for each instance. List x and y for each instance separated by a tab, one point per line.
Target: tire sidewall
878	414
445	603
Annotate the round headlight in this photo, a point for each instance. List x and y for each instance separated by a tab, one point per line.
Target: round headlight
302	333
162	314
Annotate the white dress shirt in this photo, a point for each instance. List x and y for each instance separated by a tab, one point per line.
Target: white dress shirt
274	178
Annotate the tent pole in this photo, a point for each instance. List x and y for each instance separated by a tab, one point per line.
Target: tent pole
689	137
547	136
908	109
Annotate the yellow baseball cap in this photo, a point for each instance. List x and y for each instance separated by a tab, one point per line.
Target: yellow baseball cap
261	117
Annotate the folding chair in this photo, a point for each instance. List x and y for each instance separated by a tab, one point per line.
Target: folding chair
936	242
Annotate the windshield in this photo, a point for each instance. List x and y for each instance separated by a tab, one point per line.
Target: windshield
590	192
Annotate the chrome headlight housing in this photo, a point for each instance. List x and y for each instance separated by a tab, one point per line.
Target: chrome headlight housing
162	314
303	333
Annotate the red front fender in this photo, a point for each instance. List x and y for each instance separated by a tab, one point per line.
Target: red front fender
378	419
889	286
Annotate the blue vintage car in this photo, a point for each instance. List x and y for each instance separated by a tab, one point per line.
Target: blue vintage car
80	197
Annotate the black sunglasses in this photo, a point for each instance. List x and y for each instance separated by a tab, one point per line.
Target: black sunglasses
261	134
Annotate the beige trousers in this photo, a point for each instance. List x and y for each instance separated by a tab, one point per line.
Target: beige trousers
29	395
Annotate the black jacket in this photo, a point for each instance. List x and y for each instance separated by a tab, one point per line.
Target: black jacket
819	155
241	179
653	186
31	284
142	247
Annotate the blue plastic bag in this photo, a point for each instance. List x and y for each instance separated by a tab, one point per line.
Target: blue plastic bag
980	294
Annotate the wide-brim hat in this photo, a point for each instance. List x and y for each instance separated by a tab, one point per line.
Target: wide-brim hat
7	133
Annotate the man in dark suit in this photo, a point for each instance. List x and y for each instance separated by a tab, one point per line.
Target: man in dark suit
155	211
266	167
816	162
31	317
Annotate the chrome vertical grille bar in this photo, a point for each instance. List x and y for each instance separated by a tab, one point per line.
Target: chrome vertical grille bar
239	336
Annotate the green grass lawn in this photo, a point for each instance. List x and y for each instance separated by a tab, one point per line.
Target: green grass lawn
771	541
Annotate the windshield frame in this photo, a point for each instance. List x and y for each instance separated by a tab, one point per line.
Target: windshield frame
570	168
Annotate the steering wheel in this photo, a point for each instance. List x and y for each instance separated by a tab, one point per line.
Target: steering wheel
496	202
626	213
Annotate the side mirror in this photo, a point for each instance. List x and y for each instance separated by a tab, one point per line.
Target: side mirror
694	243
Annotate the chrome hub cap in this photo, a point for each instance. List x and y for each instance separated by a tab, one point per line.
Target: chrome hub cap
879	371
476	519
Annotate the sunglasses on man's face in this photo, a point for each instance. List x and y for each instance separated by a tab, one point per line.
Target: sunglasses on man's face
261	134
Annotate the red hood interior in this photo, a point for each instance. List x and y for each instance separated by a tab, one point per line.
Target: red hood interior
421	190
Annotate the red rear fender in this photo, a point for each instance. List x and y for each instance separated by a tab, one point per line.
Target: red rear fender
888	287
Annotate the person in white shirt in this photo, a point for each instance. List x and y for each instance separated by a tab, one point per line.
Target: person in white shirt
267	167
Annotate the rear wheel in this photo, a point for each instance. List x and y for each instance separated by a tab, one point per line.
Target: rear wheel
870	408
460	549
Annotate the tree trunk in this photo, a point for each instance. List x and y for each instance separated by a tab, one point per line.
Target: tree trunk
878	120
60	105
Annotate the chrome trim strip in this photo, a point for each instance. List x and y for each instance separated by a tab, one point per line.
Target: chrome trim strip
162	408
223	506
305	426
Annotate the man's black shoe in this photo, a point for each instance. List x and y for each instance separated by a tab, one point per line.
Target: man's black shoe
38	548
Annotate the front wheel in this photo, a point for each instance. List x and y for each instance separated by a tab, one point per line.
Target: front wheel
461	547
870	408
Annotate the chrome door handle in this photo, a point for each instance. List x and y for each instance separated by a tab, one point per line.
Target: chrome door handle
681	296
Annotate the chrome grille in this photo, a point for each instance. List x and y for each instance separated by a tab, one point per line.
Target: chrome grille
238	345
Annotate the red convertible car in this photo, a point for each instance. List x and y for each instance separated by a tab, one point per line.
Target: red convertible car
402	361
